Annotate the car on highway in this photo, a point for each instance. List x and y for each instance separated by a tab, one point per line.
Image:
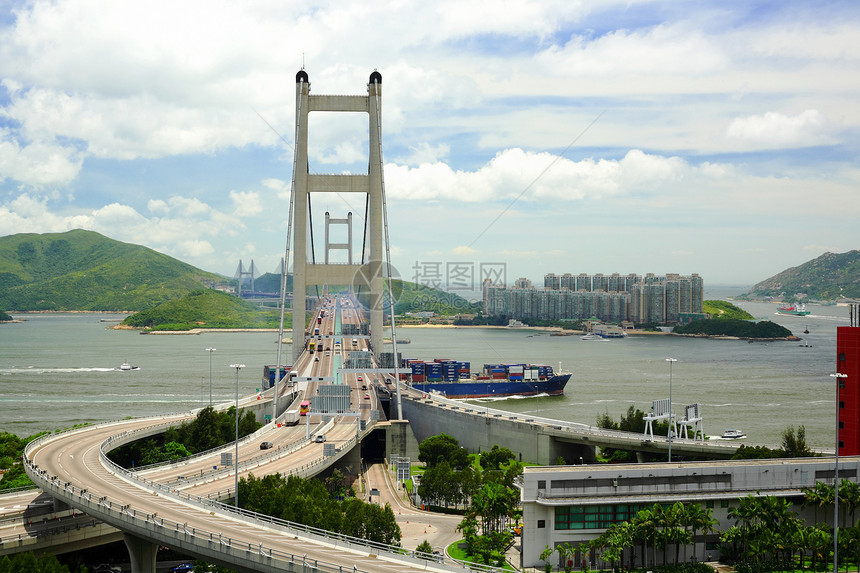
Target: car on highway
266	445
320	438
105	568
367	396
182	567
360	378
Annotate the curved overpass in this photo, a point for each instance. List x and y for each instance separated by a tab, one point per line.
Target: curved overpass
153	508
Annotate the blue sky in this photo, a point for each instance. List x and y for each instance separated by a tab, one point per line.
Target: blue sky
718	138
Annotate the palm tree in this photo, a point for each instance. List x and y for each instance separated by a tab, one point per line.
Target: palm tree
674	529
746	516
650	522
853	541
822	497
641	532
849	498
820	542
781	522
625	536
699	518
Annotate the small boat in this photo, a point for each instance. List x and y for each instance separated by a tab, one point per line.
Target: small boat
125	367
591	336
730	434
805	330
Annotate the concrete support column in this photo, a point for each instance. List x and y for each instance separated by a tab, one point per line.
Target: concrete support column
400	440
141	552
375	211
300	215
59	505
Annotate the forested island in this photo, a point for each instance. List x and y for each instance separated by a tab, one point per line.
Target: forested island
736	328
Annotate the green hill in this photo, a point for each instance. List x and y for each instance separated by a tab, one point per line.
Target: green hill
83	270
832	276
206	308
733	327
271	282
412	297
722	310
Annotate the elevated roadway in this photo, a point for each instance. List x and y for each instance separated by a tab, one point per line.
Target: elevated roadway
153	507
178	504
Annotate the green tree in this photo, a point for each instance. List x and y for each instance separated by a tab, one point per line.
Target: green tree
435	449
849	499
794	443
425	547
819	496
495	458
438	485
699	519
544	556
495	504
15	477
170	451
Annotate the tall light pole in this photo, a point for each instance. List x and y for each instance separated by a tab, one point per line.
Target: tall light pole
210	351
236	454
839	381
671	420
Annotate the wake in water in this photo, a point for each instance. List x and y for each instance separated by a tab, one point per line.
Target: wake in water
40	370
501	398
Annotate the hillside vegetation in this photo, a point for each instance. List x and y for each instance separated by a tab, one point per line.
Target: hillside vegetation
412	297
733	327
206	308
832	276
720	309
83	270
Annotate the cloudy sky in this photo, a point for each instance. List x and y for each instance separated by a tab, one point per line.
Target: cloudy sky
710	137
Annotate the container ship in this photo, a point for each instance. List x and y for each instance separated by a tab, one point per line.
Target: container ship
454	379
793	310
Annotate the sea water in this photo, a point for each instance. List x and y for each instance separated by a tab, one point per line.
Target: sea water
57	370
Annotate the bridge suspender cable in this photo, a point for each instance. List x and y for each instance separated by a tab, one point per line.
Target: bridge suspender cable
284	272
387	250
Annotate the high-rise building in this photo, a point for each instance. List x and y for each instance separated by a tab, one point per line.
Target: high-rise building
649	299
550	281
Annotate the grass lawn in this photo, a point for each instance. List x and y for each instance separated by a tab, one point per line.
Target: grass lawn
456	552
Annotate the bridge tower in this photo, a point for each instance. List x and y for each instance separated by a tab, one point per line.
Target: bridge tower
241	274
368	272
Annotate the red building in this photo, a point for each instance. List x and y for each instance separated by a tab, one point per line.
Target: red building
848	362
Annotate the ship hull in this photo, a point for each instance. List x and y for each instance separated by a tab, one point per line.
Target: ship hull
553	386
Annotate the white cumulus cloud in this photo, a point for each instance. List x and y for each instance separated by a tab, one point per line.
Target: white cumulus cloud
774	129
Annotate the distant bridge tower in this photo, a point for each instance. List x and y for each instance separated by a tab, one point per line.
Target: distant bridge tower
367	273
347	246
241	274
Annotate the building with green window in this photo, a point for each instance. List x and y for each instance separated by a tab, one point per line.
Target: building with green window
572	504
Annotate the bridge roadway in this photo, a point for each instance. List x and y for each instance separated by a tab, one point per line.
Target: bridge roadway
142	503
151	513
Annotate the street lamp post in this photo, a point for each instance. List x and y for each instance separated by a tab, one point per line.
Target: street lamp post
839	381
210	351
671	420
236	454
